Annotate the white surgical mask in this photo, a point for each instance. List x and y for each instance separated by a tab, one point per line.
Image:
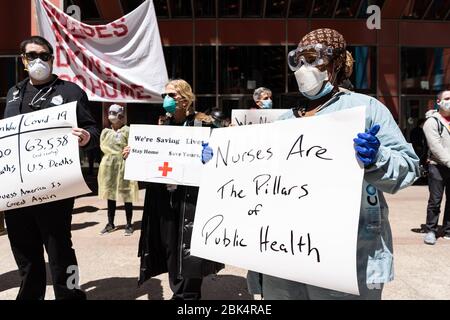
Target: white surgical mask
310	79
38	69
445	105
113	119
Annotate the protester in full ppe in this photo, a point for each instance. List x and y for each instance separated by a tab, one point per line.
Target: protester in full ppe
168	217
111	183
321	63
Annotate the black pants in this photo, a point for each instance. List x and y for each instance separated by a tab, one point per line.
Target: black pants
182	288
438	183
31	229
112	211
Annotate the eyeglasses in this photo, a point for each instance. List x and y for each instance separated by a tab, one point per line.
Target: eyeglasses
170	94
44	56
115	113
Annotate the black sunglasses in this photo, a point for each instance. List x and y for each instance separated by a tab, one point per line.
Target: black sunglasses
170	94
44	56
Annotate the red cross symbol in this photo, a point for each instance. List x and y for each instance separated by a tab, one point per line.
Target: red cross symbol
165	169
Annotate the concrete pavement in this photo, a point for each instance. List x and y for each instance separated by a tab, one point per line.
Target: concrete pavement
109	264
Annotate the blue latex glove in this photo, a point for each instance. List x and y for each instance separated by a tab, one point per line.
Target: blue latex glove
367	145
207	153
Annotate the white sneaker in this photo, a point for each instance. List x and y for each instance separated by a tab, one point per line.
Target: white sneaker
430	238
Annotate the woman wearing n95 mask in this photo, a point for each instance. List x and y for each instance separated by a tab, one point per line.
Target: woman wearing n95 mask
321	63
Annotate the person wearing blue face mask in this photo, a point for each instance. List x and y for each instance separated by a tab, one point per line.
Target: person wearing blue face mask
263	98
321	63
169	210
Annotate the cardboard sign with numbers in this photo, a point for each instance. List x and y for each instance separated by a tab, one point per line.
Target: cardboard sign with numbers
166	154
39	158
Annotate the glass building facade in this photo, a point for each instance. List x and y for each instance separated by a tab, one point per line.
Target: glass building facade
227	48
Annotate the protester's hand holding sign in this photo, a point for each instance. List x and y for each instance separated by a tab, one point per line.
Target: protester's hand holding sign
126	152
83	136
367	145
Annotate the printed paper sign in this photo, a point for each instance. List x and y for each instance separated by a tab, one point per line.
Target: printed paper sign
39	158
285	200
166	154
242	117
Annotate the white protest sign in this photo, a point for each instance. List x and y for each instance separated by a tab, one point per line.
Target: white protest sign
39	158
121	61
242	117
166	154
285	200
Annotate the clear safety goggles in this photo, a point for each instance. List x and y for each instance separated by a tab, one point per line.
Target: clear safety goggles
312	55
115	113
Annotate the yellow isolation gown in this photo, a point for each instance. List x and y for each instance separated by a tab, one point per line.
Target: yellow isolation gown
111	184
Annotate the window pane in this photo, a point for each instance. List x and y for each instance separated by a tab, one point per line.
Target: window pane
323	8
300	8
366	3
229	8
425	70
130	5
88	8
22	73
438	10
204	104
252	8
416	9
245	68
141	113
289	101
347	8
228	104
8	72
179	62
181	9
205	8
276	8
2	108
161	8
364	74
205	59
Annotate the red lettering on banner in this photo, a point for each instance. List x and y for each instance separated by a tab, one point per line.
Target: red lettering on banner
91	73
121	26
88	30
97	85
109	72
97	64
60	54
126	91
100	30
140	90
110	84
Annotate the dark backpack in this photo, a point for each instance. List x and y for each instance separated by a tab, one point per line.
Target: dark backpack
440	126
